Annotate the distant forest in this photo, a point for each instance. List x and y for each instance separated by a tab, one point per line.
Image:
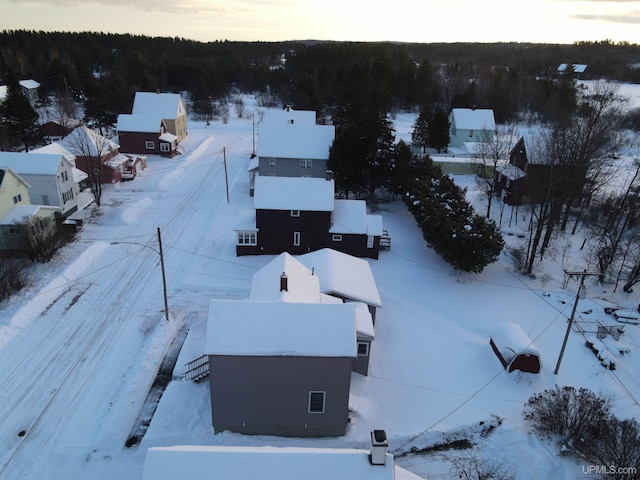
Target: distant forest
105	71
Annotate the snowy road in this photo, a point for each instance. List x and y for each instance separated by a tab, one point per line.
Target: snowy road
69	385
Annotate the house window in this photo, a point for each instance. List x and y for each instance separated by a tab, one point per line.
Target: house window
370	241
336	238
295	213
296	239
165	147
363	349
17	198
272	162
14	230
317	402
149	145
305	163
45	199
247	238
471	133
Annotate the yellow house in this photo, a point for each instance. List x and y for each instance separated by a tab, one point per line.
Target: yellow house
167	107
13	191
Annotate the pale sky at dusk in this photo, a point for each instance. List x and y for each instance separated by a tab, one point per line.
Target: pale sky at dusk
538	21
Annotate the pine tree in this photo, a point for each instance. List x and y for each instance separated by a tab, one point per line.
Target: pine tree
438	130
420	133
18	117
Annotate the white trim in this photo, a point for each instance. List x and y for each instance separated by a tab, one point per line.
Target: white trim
295	213
324	401
296	239
150	145
336	238
366	354
247	238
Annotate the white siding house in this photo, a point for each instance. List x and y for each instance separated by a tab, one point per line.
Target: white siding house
49	175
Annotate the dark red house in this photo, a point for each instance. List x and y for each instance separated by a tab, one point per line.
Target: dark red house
300	214
145	135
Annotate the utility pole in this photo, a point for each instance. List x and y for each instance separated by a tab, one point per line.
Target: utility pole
582	276
253	134
226	179
164	279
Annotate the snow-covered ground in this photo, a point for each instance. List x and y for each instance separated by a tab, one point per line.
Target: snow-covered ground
80	347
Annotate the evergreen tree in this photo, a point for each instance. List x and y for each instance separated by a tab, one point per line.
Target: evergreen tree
449	223
420	133
438	131
401	169
347	160
18	117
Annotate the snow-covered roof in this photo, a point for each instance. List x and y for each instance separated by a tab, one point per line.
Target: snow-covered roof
511	172
249	328
293	193
511	336
29	84
139	123
302	284
577	67
374	225
293	140
254	163
364	322
473	118
5	168
349	216
267	463
30	163
18	212
289	115
160	105
168	137
343	274
86	142
56	147
118	160
78	175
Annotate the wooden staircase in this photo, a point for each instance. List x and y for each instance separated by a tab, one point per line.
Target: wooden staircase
197	369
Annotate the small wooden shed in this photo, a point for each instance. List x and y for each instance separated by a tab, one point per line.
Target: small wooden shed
514	349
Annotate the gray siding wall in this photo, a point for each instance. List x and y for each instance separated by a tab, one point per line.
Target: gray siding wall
290	167
270	395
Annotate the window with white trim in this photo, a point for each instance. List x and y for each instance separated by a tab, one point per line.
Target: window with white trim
295	213
296	239
363	349
247	238
336	238
272	162
306	163
17	198
317	400
165	147
149	145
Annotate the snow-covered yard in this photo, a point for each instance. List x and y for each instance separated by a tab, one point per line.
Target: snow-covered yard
80	347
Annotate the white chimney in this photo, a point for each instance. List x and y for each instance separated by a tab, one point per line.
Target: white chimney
379	446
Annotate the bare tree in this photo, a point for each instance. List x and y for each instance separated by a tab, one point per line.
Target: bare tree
492	151
578	154
476	468
92	151
39	237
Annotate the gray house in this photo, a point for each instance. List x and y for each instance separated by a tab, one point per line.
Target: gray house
280	368
471	125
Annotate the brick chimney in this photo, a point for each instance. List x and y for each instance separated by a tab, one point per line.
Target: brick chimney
379	446
284	284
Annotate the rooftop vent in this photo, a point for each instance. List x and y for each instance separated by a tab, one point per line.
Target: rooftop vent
284	282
